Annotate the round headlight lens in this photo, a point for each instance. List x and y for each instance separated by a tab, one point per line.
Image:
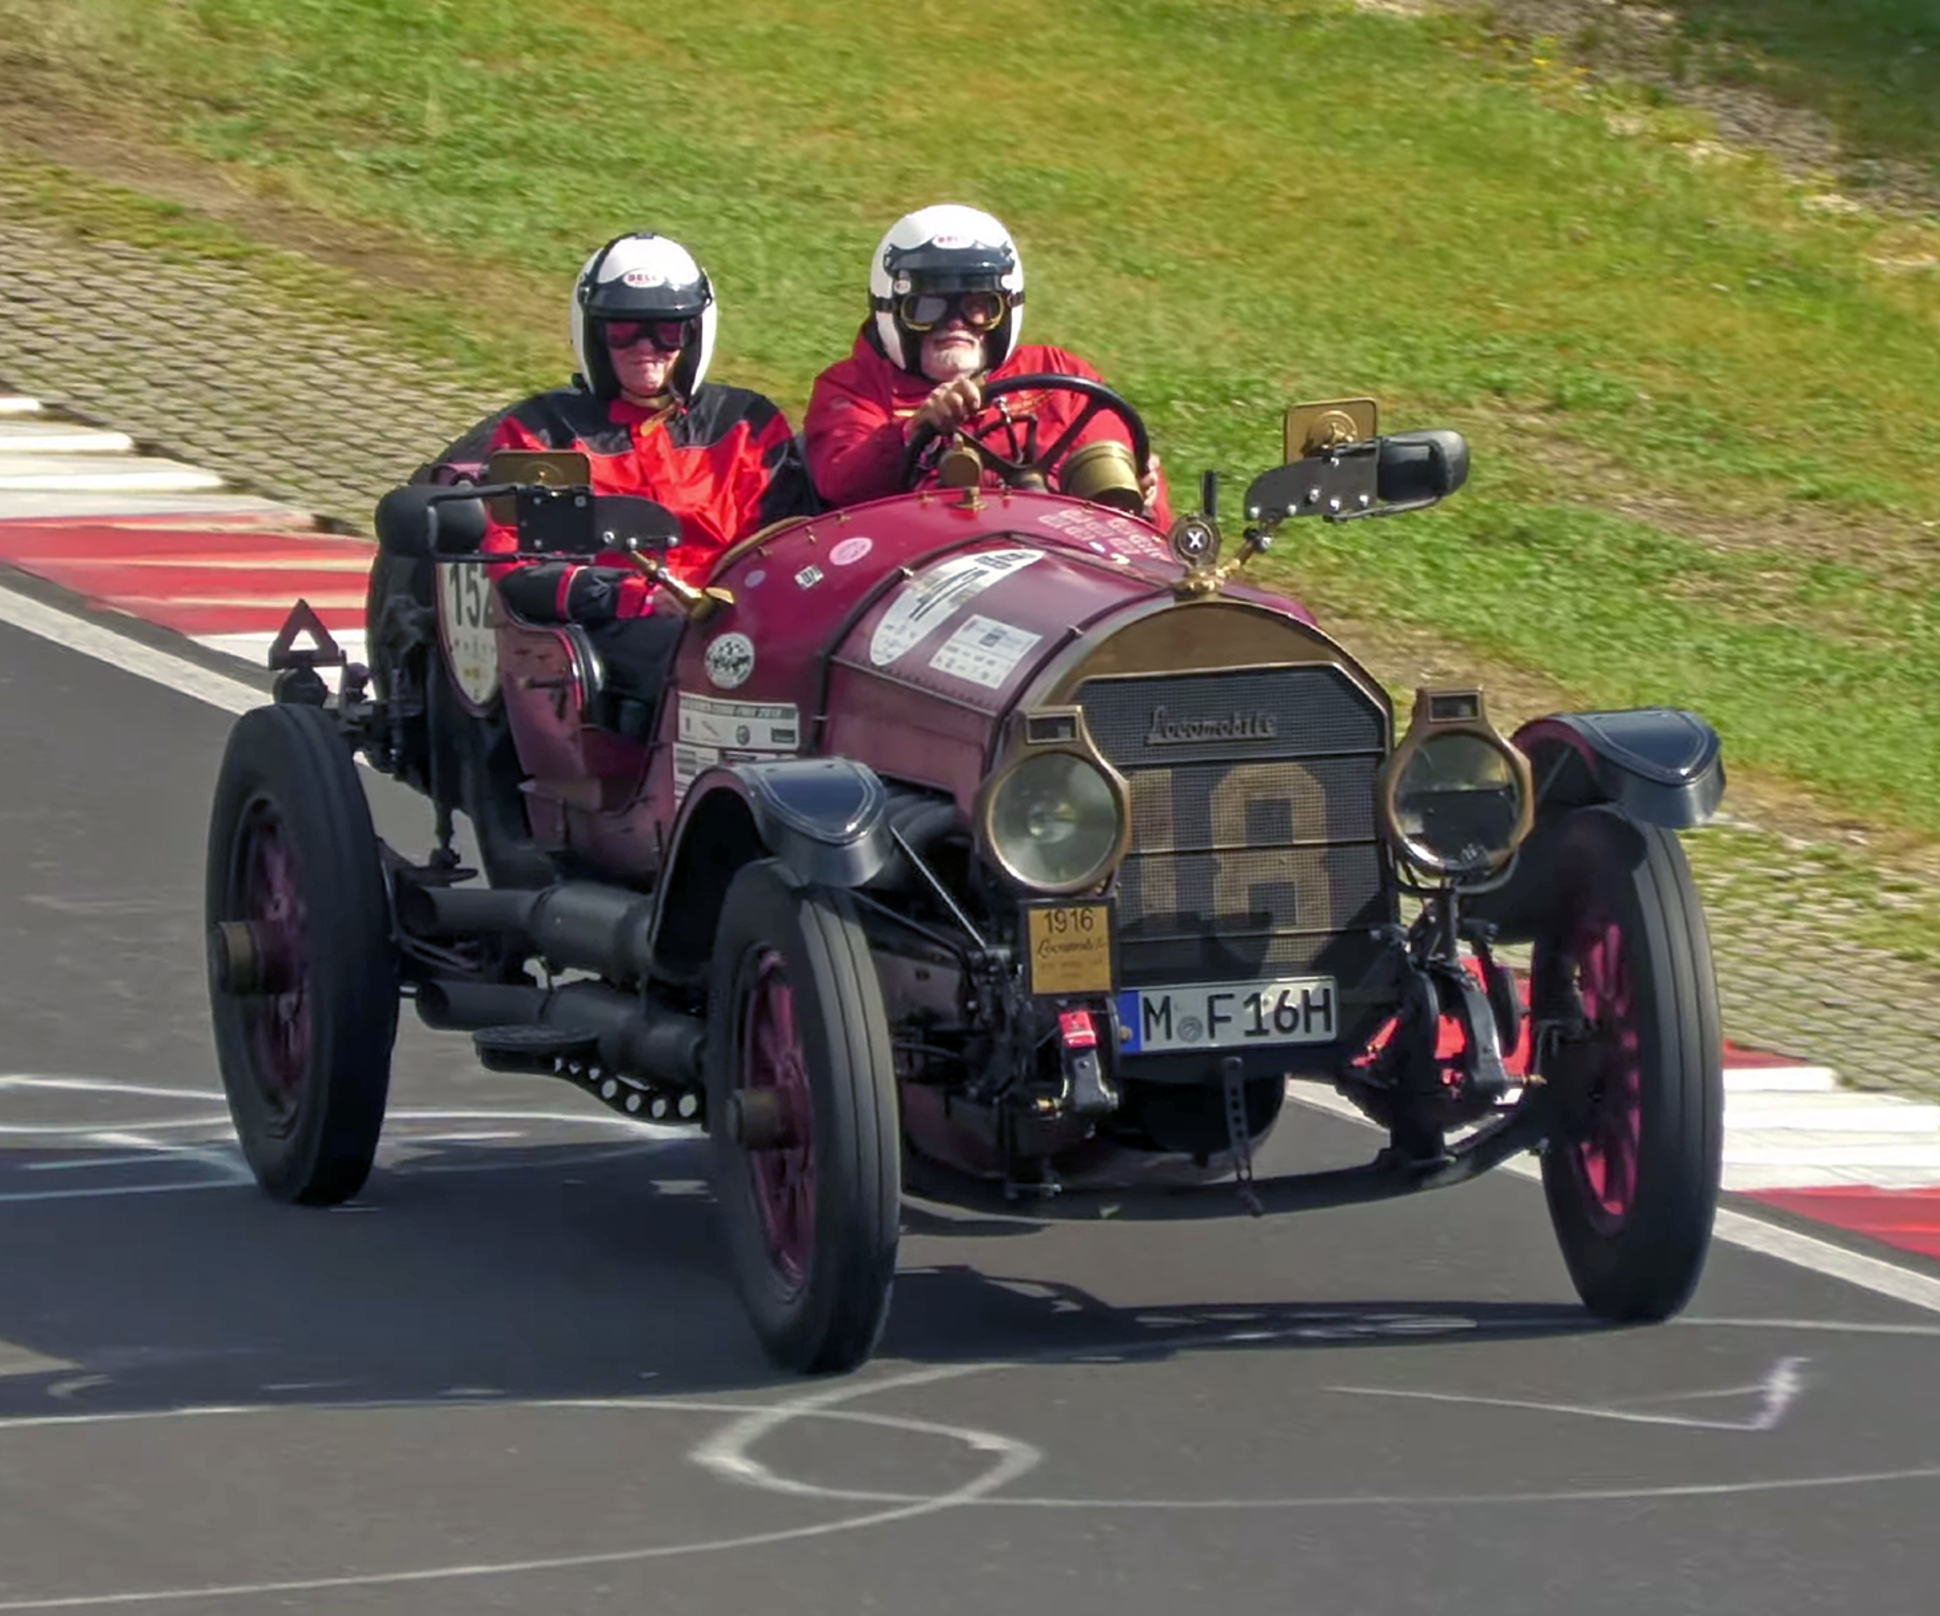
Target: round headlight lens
1055	821
1457	804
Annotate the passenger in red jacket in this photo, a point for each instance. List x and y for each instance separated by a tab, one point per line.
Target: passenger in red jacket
946	296
723	459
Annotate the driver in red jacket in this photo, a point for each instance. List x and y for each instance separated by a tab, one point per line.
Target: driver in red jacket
946	290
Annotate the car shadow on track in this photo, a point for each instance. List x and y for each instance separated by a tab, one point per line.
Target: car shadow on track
556	1271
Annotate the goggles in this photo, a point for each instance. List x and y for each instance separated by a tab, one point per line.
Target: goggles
924	311
669	336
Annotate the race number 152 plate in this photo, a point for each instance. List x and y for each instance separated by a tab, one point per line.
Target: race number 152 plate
1069	947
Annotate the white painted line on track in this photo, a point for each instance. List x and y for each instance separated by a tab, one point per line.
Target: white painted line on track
103	1085
1823	1257
1732	1227
131	656
229	1162
109	1192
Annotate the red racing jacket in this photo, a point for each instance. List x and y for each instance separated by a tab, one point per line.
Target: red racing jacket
726	465
859	412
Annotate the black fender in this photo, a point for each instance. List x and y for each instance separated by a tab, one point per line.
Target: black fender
824	820
1661	765
1649	765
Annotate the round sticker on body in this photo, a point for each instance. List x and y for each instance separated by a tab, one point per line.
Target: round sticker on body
730	659
850	551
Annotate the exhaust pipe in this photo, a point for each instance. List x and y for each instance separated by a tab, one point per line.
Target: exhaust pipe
636	1038
571	925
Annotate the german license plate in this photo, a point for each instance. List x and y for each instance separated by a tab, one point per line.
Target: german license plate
1070	947
1230	1015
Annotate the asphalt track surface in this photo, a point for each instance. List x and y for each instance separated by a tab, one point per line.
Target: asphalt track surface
510	1378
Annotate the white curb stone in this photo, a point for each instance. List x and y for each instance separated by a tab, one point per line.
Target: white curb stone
91	473
22	437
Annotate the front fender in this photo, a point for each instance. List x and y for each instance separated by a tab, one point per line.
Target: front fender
824	820
1661	765
1648	765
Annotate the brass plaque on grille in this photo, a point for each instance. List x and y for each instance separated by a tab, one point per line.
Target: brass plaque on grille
1069	947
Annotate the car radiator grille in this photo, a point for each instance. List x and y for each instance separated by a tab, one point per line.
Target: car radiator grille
1254	848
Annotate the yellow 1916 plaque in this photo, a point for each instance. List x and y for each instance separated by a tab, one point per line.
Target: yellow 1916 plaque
1069	947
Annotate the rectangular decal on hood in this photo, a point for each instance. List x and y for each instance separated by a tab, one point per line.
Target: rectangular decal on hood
984	651
714	731
763	726
931	598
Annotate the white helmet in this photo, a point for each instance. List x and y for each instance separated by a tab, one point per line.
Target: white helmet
642	276
944	249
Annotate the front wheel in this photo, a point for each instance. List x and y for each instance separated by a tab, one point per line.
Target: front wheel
1632	1172
303	976
801	1092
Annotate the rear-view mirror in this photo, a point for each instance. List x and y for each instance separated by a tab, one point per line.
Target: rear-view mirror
1422	465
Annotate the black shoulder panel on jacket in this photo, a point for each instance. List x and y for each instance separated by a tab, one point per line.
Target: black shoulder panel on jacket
717	409
566	416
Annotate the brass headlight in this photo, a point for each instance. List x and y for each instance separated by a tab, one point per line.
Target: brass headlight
1455	797
1054	818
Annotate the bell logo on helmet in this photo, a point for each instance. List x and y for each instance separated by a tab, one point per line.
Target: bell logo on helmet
643	277
948	241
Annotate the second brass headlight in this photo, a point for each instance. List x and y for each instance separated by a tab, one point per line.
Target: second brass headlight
1455	796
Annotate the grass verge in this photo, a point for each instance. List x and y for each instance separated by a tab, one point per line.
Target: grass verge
1701	408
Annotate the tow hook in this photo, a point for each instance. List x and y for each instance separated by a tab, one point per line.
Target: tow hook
1089	1092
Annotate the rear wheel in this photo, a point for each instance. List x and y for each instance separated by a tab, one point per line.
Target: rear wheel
303	976
1632	1173
802	1104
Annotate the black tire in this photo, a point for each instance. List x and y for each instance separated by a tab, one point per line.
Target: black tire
826	1315
305	1059
1632	1176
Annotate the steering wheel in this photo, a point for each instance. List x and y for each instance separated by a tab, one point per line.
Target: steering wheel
1028	468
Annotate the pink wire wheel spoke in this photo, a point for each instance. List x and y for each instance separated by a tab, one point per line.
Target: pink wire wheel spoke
784	1174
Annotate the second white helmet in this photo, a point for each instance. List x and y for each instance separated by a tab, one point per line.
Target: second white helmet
944	250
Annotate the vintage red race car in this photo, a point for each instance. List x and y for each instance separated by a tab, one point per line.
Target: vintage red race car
989	846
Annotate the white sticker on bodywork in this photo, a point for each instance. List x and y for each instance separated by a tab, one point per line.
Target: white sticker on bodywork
690	763
712	731
930	599
984	651
729	660
758	726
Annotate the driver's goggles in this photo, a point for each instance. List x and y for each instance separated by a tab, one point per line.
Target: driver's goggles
669	336
924	311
